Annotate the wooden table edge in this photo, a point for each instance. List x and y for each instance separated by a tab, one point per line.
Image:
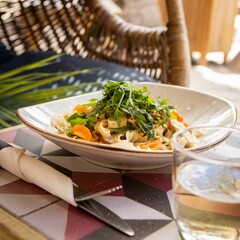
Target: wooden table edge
12	228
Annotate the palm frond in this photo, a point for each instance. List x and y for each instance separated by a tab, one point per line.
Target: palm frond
38	64
44	95
30	84
9	114
19	88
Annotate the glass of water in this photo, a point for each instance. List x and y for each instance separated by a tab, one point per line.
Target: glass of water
206	182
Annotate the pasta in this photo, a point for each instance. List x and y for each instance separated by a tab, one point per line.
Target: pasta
125	117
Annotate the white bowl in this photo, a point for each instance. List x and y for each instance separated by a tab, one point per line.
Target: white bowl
197	108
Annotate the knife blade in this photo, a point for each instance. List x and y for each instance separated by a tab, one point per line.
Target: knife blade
100	211
107	216
20	164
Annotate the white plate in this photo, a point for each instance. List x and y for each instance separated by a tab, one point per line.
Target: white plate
197	108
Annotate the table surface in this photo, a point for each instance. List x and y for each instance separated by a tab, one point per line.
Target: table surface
145	200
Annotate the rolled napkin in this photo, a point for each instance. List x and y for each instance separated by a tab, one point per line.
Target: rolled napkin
35	171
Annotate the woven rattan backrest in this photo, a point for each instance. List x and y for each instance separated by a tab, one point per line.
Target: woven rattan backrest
95	29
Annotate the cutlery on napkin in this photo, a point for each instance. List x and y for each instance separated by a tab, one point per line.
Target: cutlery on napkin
44	176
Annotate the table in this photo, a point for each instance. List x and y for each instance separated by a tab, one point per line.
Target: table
28	212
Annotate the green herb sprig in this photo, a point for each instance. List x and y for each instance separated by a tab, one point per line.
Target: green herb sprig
121	99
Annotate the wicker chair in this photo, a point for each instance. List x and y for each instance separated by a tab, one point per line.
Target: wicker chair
96	29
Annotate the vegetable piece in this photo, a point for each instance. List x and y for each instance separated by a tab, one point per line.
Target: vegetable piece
79	108
154	145
88	110
178	116
82	132
121	99
83	109
77	121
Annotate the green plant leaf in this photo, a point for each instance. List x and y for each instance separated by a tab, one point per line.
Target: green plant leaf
19	88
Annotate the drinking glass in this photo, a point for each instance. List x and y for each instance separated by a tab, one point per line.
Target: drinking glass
206	182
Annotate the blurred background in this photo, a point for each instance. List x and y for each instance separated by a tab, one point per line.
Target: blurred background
214	37
127	32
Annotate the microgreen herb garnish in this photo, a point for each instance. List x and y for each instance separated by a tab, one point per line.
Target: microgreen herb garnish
121	99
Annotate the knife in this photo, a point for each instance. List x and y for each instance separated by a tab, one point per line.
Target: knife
107	216
37	172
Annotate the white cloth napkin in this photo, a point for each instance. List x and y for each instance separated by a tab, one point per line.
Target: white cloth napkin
35	171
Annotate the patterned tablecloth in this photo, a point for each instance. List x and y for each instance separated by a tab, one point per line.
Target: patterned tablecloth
145	200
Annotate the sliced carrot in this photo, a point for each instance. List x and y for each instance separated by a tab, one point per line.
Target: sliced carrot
185	124
83	109
79	108
82	132
154	145
178	116
143	147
